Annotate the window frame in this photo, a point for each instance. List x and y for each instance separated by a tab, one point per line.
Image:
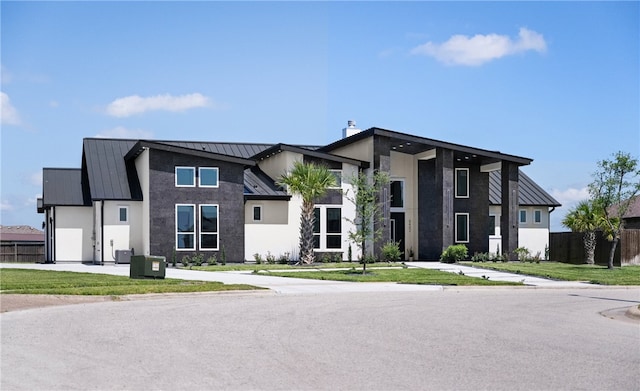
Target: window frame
216	232
537	216
331	233
185	168
178	232
457	187
253	214
458	240
522	213
338	176
402	195
217	171
492	228
126	214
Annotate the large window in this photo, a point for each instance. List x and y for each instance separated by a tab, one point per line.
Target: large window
327	228
185	227
185	176
208	227
208	177
462	227
462	182
397	194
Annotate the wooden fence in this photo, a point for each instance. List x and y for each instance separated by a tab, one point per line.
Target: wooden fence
568	247
22	252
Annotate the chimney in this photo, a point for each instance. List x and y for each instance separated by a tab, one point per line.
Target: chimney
350	130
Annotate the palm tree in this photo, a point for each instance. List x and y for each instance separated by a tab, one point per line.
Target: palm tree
586	218
310	181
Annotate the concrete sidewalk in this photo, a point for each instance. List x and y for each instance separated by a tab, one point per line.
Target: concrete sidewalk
495	275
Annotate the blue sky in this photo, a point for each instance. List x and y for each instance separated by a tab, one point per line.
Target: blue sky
557	82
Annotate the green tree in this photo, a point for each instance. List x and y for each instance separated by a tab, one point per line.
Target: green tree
369	210
310	181
615	183
585	218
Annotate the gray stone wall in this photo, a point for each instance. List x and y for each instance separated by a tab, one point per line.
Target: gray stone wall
164	195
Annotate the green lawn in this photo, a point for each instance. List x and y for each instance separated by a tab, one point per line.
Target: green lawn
627	275
264	266
403	276
68	283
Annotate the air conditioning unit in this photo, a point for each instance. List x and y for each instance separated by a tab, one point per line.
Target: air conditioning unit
123	256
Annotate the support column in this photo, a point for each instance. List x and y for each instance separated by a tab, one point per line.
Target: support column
445	183
510	204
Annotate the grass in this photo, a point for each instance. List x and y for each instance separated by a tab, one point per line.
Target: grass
403	276
627	275
70	283
264	266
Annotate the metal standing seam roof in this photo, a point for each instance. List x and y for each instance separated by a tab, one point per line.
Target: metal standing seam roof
63	186
257	184
529	193
107	170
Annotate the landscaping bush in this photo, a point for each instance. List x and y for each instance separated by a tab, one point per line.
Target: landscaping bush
454	253
391	251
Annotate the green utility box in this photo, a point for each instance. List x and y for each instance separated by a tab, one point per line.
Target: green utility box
145	266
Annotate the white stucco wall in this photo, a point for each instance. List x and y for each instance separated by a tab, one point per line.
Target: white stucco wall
73	231
277	165
533	236
405	167
142	168
125	235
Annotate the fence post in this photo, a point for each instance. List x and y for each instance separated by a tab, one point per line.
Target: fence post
15	252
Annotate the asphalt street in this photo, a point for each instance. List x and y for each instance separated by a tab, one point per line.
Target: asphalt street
452	339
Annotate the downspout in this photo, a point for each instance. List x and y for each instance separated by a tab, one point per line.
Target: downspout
102	233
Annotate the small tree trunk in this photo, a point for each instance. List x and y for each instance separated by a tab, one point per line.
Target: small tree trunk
612	253
306	234
590	246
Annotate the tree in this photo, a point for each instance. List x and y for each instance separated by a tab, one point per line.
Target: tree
365	198
585	218
310	181
615	183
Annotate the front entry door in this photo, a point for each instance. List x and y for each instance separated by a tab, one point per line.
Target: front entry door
397	229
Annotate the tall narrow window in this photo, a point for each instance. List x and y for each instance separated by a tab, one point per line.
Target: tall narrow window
208	227
123	214
537	216
185	177
337	174
462	183
523	216
492	225
397	194
257	213
208	177
316	228
185	227
334	228
462	227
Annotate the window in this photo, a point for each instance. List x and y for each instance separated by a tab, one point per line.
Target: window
185	177
462	227
185	227
537	216
462	183
338	176
123	214
327	232
334	228
208	177
208	227
257	213
523	216
492	225
397	194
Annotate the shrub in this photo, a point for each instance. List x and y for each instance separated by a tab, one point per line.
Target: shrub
212	260
454	253
197	259
283	259
271	259
223	256
185	260
336	257
391	251
350	254
258	258
368	259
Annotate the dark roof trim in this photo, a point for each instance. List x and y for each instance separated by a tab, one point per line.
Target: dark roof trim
308	152
265	197
137	149
423	140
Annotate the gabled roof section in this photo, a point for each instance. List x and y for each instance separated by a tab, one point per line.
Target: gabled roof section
109	176
64	187
258	185
312	151
175	147
529	193
407	143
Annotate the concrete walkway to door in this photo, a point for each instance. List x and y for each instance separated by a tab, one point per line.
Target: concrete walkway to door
495	275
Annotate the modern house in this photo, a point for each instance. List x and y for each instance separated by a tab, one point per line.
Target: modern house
176	198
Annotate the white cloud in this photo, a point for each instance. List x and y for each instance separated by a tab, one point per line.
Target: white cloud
476	50
134	104
9	113
122	132
6	205
570	196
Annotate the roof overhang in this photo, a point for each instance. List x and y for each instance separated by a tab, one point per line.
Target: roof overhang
141	145
278	148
